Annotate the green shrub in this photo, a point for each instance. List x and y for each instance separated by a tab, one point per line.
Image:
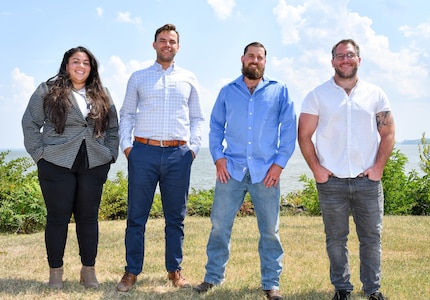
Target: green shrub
157	207
309	196
394	183
113	204
404	194
22	209
418	191
424	150
408	195
419	187
200	202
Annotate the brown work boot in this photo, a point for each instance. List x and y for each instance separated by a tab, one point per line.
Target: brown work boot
178	280
55	278
273	295
88	277
127	282
203	287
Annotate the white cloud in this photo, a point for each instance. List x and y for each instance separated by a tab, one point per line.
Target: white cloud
12	108
291	19
125	17
422	30
99	11
310	29
222	8
22	87
395	43
399	72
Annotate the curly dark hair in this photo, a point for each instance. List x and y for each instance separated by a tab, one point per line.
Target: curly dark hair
57	104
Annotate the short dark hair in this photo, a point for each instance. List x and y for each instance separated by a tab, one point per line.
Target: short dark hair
345	42
166	27
255	44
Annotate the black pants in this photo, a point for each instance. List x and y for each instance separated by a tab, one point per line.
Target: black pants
74	191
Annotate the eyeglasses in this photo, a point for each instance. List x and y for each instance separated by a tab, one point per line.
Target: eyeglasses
341	56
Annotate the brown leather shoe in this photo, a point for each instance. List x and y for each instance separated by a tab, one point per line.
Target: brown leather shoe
273	295
178	280
127	282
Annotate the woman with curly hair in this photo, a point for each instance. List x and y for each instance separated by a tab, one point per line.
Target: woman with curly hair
70	130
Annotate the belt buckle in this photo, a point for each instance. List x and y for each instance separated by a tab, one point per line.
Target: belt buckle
162	145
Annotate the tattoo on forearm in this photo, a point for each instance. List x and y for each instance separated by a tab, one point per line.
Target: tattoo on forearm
382	118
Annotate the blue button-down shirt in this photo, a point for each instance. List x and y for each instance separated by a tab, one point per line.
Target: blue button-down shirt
162	105
253	131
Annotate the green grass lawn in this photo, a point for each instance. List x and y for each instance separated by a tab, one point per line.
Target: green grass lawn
406	262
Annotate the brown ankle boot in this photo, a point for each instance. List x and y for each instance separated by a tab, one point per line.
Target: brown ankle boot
178	280
55	278
88	277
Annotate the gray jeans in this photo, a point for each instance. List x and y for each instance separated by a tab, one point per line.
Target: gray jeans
365	199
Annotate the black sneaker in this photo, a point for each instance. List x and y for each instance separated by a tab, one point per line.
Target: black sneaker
203	287
342	295
377	296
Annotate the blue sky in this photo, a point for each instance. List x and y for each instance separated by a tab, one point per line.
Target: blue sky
394	36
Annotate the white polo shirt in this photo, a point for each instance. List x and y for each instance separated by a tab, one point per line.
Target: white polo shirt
347	137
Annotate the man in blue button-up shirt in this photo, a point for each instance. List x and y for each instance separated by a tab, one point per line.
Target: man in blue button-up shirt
252	136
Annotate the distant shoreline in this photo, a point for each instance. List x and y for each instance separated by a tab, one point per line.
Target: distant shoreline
404	142
413	142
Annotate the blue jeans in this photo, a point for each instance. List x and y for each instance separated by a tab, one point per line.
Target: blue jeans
170	168
227	201
365	199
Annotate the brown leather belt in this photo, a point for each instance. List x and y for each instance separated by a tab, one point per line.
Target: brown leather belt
171	143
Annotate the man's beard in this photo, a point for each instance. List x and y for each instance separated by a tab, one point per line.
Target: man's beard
252	73
344	75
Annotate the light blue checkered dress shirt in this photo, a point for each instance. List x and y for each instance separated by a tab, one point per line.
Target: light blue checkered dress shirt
162	105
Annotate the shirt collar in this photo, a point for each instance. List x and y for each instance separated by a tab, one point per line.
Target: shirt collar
239	81
336	85
158	67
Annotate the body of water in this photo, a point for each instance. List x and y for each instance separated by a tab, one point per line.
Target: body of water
203	169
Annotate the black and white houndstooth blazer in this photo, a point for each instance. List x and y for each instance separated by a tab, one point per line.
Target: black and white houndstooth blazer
42	141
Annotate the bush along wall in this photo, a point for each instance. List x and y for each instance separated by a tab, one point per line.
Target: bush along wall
22	209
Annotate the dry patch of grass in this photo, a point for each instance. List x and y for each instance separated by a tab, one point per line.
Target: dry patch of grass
406	267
